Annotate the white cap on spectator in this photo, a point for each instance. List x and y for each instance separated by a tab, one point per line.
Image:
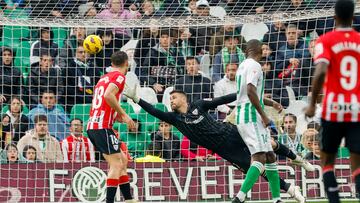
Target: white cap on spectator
202	3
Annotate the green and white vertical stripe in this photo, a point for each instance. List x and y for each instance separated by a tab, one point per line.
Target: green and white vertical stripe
245	111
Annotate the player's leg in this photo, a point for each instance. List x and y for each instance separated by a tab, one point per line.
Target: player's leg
330	138
124	183
352	143
282	150
112	182
272	174
250	134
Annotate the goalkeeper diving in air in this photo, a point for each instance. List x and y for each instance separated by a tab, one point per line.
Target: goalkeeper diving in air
194	121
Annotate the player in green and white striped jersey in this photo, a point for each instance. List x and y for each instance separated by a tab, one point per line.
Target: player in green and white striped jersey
250	117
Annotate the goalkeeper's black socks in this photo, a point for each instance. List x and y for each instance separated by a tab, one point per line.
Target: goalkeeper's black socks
111	187
124	186
356	176
282	150
331	186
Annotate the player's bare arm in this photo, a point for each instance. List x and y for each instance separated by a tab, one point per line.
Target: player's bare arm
319	78
272	103
254	99
111	99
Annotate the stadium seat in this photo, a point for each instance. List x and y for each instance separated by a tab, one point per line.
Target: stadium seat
217	11
127	107
12	35
81	111
166	97
295	107
129	45
22	59
150	121
254	31
6	108
60	35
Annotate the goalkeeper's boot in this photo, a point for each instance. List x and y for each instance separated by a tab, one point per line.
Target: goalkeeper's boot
303	163
294	191
236	200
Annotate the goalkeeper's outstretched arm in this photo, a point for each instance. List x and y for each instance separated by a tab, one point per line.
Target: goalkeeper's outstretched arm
219	101
168	117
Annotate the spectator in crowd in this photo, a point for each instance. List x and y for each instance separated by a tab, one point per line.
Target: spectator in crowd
147	9
217	40
231	52
268	66
29	153
172	8
193	152
47	147
226	86
103	57
314	125
290	137
68	8
168	142
10	76
76	147
149	38
42	78
87	10
201	35
45	43
67	53
11	155
43	9
79	80
137	139
18	120
276	36
58	123
193	83
307	140
185	42
162	65
116	10
192	7
289	63
7	132
314	153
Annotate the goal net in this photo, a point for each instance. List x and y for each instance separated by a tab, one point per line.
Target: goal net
47	85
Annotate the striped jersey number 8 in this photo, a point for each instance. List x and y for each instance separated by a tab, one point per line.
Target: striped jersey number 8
348	70
98	97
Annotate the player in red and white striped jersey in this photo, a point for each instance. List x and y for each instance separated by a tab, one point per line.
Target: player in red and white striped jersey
105	110
337	59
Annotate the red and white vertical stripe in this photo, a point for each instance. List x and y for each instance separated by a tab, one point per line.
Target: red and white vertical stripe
77	149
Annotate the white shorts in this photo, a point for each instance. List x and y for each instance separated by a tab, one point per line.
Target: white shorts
255	136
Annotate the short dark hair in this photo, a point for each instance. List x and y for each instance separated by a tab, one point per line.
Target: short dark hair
40	117
48	91
26	148
344	9
290	115
291	26
7	49
254	46
178	91
192	58
76	119
165	31
119	58
44	52
104	32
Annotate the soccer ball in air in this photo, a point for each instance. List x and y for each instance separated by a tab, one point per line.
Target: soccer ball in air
93	44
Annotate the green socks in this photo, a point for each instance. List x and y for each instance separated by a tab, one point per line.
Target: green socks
252	176
272	174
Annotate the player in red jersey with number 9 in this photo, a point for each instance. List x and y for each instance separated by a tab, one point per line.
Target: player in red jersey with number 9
105	110
337	59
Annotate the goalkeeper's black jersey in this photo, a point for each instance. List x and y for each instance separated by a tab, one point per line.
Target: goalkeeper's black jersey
197	124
